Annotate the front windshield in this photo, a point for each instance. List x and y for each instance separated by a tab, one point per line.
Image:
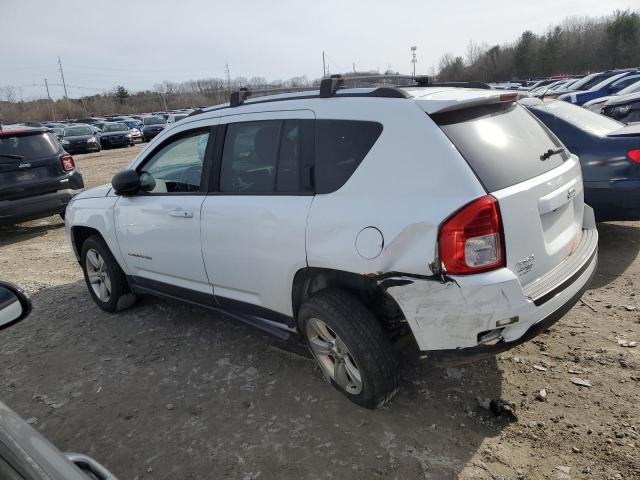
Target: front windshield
115	127
606	81
73	131
633	88
154	121
582	118
179	117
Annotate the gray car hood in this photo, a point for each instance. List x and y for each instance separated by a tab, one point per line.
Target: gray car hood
623	99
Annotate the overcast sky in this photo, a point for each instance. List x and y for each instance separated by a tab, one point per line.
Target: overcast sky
138	43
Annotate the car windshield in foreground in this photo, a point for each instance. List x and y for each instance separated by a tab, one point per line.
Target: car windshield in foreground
582	118
73	131
115	127
28	146
154	121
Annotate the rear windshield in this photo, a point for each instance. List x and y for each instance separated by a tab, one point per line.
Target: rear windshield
501	143
582	118
28	146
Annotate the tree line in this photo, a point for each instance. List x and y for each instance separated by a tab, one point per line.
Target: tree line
578	45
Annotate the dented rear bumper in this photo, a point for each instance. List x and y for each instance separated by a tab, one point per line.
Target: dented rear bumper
461	314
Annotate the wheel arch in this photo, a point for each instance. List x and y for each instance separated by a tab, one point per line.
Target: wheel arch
310	280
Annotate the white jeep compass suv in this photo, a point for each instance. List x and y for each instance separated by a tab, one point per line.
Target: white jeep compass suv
351	218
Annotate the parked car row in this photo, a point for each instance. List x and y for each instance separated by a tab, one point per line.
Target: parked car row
614	93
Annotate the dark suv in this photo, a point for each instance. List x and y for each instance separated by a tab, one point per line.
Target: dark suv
37	177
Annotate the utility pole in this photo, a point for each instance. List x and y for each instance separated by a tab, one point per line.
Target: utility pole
354	68
66	96
324	67
414	59
53	112
226	71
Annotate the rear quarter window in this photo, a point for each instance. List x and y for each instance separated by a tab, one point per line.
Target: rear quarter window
341	145
29	146
501	143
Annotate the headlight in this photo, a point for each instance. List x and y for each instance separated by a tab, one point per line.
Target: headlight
65	142
92	140
128	135
622	110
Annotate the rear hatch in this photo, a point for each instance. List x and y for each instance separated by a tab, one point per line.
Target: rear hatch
538	185
30	164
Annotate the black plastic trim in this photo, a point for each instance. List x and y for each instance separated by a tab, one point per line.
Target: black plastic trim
254	310
255	315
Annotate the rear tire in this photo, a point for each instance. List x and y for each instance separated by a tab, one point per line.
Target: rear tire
105	279
351	347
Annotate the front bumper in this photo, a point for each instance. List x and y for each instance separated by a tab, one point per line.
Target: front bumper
107	142
148	134
461	314
82	148
37	206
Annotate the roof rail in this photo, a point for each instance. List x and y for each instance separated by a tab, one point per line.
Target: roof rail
329	86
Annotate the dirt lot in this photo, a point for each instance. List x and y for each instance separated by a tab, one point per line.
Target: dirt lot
171	391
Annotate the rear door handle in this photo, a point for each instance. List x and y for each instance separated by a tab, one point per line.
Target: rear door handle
181	213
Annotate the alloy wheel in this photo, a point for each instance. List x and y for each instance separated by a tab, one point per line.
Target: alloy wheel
98	275
333	356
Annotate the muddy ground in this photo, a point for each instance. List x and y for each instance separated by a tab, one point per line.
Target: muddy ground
170	391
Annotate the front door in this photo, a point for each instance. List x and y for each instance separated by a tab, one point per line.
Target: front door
159	230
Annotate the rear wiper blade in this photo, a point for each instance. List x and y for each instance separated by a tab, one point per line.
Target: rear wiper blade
10	155
549	153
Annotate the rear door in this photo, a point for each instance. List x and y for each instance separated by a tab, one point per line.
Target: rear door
30	164
538	185
253	224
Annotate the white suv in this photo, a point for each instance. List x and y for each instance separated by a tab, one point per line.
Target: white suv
350	219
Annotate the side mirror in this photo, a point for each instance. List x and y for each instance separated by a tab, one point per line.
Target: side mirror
14	304
126	182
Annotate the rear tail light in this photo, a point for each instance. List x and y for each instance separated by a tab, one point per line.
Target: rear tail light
68	163
471	240
634	155
508	97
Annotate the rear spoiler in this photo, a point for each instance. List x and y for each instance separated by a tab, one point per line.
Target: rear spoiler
459	99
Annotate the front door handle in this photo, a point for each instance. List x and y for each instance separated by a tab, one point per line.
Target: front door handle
181	213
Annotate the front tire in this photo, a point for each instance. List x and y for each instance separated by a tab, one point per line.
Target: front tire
105	279
351	347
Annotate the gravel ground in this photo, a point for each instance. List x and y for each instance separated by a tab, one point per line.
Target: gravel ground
171	391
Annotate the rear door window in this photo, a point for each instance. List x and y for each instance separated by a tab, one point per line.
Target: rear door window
340	147
501	143
28	146
270	156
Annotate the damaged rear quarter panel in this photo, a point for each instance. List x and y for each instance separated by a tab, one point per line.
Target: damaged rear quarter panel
449	314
